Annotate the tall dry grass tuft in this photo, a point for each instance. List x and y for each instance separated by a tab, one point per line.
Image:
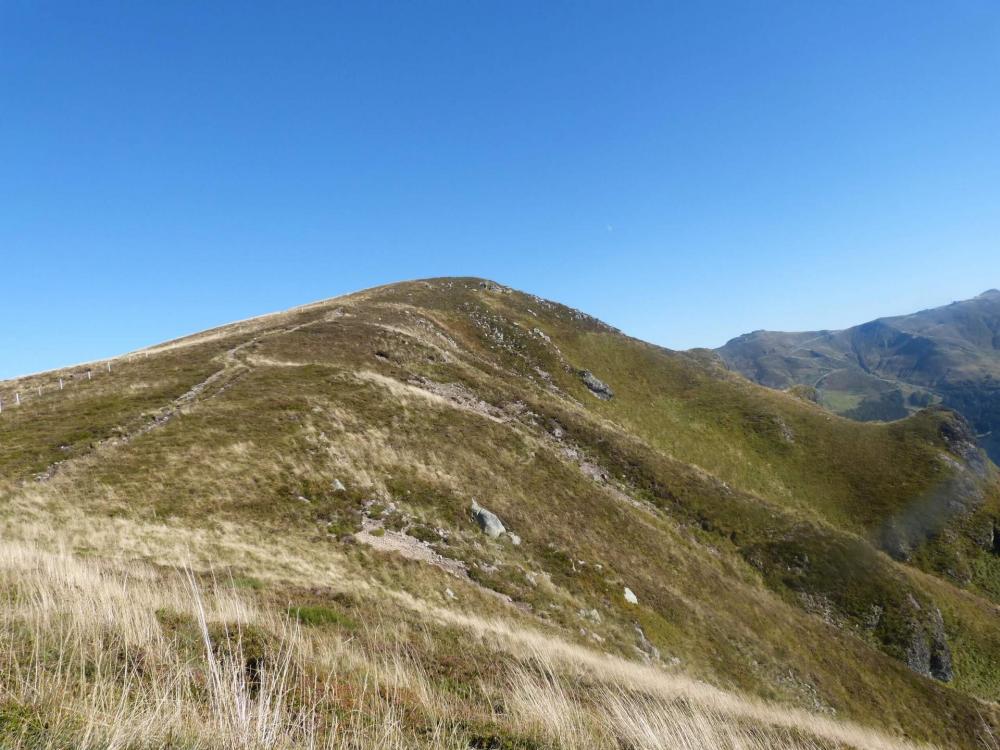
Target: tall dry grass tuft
248	699
614	718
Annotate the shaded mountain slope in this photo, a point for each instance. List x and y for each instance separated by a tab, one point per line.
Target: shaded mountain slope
891	367
657	508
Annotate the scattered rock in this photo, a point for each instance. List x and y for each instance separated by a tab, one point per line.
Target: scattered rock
874	616
962	442
572	453
487	520
598	387
940	661
375	535
450	594
459	396
784	431
895	541
338	486
630	596
648	650
491	286
514	539
595	472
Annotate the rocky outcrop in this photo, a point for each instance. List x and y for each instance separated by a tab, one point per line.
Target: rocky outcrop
961	441
928	652
597	386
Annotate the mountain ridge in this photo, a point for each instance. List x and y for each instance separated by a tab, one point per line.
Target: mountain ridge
656	509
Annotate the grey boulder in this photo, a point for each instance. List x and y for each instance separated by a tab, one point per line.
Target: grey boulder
487	520
597	386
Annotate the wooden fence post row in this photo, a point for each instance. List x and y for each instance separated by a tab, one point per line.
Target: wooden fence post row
62	382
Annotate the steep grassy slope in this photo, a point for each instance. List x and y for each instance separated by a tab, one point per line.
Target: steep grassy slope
888	368
322	463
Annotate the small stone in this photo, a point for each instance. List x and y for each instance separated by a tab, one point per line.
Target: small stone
450	594
630	596
338	486
514	539
647	648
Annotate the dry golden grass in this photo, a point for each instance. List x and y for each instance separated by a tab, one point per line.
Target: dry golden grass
89	661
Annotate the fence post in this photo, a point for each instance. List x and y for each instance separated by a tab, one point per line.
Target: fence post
60	384
39	390
89	375
17	399
109	367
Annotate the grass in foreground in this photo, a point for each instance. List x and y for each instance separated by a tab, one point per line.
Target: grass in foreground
96	655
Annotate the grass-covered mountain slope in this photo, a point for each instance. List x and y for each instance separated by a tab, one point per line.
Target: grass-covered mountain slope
446	514
890	367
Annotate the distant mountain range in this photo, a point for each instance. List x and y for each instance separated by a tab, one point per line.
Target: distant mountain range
890	367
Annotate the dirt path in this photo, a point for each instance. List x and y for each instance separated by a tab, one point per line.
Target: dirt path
233	369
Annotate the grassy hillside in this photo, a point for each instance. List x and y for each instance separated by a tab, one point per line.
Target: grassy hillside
262	536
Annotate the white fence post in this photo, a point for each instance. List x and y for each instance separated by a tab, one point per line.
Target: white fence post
109	367
89	375
60	384
17	399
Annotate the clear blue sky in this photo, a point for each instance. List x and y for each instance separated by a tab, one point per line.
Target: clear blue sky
686	171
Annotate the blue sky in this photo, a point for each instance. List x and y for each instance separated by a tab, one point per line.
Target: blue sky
685	171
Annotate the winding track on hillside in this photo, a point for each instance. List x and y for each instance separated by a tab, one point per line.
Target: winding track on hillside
233	369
